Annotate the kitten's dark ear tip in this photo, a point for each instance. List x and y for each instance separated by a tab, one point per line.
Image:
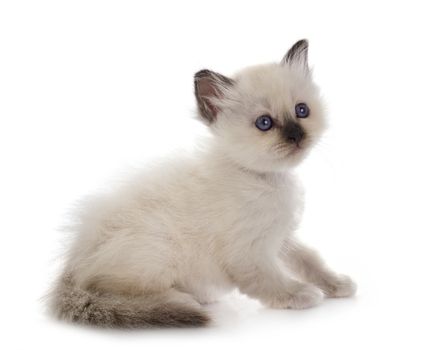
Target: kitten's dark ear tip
298	52
215	77
300	45
202	74
304	42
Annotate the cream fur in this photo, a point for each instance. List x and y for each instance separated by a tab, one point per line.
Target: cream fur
191	229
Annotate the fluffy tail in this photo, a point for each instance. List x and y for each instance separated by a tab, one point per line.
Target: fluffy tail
72	303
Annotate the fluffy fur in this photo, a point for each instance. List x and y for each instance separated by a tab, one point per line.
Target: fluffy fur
180	235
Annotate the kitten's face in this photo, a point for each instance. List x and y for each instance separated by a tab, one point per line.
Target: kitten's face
267	117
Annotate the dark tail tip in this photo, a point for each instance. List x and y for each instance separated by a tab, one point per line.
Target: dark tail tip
164	315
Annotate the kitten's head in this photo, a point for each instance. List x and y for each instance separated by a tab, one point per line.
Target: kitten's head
266	117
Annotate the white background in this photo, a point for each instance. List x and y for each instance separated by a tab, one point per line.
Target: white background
89	89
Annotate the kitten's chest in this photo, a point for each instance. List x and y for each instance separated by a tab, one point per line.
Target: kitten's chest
263	206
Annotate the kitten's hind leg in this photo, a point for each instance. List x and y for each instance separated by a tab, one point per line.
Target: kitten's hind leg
306	263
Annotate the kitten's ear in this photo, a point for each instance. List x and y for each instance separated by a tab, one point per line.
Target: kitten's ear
297	54
210	86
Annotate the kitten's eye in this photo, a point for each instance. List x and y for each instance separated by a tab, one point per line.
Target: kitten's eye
302	110
264	122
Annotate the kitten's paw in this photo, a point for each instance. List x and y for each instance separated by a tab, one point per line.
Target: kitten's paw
339	286
302	297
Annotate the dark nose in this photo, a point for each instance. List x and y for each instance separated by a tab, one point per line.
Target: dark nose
293	132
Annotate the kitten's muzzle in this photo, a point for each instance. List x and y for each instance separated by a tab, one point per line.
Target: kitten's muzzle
293	133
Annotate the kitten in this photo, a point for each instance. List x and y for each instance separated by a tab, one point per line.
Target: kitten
182	234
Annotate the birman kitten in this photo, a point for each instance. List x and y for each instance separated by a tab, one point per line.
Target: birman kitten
181	234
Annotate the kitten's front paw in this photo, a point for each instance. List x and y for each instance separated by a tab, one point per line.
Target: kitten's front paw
339	286
302	297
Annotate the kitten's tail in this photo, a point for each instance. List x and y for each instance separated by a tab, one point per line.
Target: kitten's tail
71	303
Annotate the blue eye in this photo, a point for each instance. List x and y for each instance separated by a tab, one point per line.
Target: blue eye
264	122
302	110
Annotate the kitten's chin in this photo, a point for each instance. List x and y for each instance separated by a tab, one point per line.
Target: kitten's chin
280	164
293	160
295	155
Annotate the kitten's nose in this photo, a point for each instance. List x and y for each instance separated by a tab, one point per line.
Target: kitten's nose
293	132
